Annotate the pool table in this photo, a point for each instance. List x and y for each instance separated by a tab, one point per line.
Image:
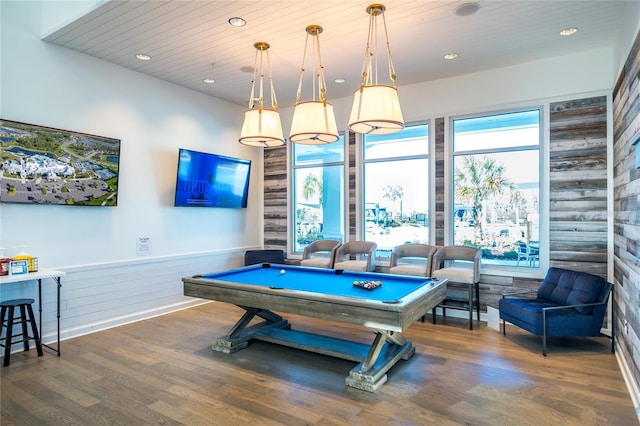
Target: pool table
328	294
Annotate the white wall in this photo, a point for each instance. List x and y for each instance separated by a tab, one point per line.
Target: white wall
107	283
52	86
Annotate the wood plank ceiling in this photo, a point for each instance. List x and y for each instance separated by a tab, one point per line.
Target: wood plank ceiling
192	40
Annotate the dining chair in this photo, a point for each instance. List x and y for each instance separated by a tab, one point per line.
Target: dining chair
320	254
356	256
412	259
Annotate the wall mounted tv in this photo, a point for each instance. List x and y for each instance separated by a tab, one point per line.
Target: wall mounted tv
211	180
43	165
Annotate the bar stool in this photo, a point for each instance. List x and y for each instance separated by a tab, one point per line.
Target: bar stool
7	313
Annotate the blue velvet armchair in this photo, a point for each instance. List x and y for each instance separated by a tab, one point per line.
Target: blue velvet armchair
567	303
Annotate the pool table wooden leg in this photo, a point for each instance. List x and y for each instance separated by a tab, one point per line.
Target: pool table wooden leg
387	349
240	334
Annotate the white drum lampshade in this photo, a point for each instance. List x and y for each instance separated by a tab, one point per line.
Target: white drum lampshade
376	110
314	123
261	128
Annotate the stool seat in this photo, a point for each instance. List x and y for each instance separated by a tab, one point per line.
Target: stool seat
8	318
16	303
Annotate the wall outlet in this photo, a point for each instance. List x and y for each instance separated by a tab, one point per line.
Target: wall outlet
625	324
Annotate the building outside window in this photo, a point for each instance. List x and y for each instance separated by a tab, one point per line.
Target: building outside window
396	188
318	190
496	186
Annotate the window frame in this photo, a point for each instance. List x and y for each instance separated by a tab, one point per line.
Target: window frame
543	184
292	196
361	182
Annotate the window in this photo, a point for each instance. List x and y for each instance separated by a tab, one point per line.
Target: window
496	186
396	188
318	191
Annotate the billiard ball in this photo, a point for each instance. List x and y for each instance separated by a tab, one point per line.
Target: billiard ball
282	271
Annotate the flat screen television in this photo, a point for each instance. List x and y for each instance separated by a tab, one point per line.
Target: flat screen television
211	180
43	165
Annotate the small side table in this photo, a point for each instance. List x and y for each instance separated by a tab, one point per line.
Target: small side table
39	276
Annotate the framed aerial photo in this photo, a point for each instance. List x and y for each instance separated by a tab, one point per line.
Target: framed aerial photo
43	165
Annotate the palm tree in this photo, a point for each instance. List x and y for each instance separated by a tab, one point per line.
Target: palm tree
312	185
393	194
476	181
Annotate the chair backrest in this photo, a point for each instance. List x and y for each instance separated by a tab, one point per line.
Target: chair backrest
422	251
358	250
448	254
322	246
252	257
568	287
522	247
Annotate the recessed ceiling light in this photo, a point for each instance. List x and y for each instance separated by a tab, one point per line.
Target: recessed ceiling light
340	80
467	9
450	56
209	80
143	57
236	21
568	31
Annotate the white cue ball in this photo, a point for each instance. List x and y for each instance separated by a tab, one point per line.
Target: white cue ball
282	271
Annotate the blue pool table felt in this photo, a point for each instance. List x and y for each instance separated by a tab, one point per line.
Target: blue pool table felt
325	281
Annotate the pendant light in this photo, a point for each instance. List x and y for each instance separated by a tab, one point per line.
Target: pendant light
376	107
314	121
262	126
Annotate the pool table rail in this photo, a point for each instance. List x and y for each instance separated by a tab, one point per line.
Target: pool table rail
359	311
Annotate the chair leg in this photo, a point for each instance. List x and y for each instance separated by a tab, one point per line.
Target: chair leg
23	324
34	328
471	306
3	312
477	285
504	328
433	315
9	337
544	333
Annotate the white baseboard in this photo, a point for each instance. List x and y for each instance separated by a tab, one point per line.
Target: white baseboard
69	333
632	386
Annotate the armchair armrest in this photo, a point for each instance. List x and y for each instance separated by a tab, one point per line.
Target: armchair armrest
556	308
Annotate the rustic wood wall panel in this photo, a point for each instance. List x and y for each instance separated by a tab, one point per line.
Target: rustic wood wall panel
275	198
626	197
352	201
438	222
578	185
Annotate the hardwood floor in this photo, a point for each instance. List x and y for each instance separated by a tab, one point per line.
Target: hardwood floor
163	371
